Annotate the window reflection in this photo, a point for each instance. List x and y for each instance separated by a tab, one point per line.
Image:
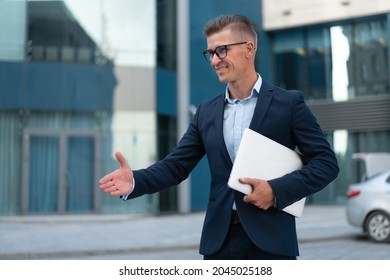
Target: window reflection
336	62
318	61
371	54
340	138
340	60
12	32
289	60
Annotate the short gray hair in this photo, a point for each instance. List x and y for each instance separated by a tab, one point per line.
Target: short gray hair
237	23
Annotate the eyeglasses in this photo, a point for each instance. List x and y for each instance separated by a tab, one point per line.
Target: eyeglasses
220	51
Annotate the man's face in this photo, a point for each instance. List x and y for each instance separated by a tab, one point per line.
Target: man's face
230	68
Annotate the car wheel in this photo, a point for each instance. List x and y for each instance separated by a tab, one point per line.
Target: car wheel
378	226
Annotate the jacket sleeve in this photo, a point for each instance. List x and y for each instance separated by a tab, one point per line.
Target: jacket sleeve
175	167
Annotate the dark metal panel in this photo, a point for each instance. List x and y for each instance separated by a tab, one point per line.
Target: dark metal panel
360	114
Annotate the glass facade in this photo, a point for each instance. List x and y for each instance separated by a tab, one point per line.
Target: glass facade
338	62
71	73
345	63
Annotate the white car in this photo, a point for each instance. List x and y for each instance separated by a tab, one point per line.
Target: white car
368	206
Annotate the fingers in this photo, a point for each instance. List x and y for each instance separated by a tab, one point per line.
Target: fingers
259	202
250	181
121	159
111	188
262	195
106	182
116	193
106	179
116	190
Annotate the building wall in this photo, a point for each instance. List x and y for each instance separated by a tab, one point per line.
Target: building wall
283	14
66	106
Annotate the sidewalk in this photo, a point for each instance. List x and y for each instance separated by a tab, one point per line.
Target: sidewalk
73	236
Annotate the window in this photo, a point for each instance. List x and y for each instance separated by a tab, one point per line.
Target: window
338	62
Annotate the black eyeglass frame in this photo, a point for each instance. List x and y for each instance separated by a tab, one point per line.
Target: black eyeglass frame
210	53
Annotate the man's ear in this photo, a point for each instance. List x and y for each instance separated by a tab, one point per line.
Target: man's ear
250	48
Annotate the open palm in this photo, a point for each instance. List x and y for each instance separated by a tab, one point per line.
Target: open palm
120	181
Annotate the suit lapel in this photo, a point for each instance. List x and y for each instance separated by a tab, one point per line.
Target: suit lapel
263	102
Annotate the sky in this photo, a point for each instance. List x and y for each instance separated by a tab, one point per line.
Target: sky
125	29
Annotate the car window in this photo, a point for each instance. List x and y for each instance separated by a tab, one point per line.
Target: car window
388	180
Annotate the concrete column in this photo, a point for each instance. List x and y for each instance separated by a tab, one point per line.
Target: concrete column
183	92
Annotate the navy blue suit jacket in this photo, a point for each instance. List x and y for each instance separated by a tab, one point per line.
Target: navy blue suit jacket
280	115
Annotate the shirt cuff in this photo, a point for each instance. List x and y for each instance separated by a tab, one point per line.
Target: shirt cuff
126	196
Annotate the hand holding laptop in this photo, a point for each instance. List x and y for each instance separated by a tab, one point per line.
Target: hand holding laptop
262	195
262	158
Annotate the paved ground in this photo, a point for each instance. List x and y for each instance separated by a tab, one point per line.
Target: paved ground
323	233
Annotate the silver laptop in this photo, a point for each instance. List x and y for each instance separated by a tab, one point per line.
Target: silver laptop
262	158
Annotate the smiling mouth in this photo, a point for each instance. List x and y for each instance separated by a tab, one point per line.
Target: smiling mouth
220	68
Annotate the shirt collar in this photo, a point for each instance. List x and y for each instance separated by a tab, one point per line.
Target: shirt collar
255	89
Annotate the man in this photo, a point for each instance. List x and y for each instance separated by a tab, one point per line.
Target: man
240	226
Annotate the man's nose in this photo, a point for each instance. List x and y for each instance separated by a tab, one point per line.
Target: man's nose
215	59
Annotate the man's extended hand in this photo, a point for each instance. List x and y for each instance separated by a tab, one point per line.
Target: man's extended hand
262	196
120	181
